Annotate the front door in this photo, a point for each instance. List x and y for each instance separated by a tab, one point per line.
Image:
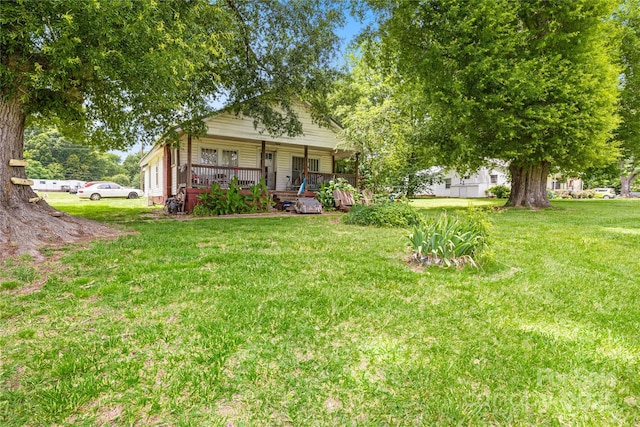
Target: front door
270	166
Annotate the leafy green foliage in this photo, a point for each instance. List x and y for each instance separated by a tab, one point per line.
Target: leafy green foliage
384	214
52	156
531	83
450	239
117	74
233	200
500	191
627	134
380	120
325	192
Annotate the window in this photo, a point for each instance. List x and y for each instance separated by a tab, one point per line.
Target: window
229	158
494	179
42	182
314	165
447	183
297	164
157	175
209	156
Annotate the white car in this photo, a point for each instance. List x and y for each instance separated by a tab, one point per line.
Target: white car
108	189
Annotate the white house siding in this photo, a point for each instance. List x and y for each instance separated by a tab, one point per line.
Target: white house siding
154	169
476	185
232	126
249	156
229	132
246	150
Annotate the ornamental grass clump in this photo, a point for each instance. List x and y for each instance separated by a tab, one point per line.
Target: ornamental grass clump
450	240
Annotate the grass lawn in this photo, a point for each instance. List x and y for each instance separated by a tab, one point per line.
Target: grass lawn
302	320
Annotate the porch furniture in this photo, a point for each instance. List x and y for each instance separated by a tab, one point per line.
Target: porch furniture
343	200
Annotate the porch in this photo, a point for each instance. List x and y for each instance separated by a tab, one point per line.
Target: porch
203	176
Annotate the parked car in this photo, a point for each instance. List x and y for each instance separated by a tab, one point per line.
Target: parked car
90	183
604	193
634	193
108	189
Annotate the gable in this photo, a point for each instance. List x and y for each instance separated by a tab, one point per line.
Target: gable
228	125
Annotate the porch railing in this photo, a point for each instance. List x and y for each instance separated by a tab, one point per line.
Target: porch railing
203	176
315	179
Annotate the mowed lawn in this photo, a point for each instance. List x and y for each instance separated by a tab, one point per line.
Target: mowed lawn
304	321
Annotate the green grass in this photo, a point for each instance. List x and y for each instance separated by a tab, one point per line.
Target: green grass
451	203
105	210
302	320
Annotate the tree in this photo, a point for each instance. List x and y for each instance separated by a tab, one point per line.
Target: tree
379	121
532	83
63	159
115	74
35	170
628	133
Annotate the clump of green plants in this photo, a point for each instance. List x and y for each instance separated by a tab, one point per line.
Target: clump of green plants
385	214
451	239
235	200
500	191
325	192
584	194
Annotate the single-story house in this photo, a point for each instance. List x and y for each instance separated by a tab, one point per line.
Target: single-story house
473	185
234	148
557	181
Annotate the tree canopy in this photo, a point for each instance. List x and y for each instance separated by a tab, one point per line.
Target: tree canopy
111	73
532	83
117	71
627	16
52	156
380	121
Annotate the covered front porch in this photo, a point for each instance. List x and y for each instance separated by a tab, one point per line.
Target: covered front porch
203	176
284	174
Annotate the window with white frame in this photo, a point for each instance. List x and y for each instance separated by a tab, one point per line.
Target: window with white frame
209	156
229	158
447	183
298	164
494	179
314	165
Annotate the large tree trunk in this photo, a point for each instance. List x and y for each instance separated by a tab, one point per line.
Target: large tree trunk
625	181
27	225
529	185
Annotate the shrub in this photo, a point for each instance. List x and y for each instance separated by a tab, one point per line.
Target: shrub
388	214
259	199
562	194
325	192
585	194
121	179
233	201
500	191
451	239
